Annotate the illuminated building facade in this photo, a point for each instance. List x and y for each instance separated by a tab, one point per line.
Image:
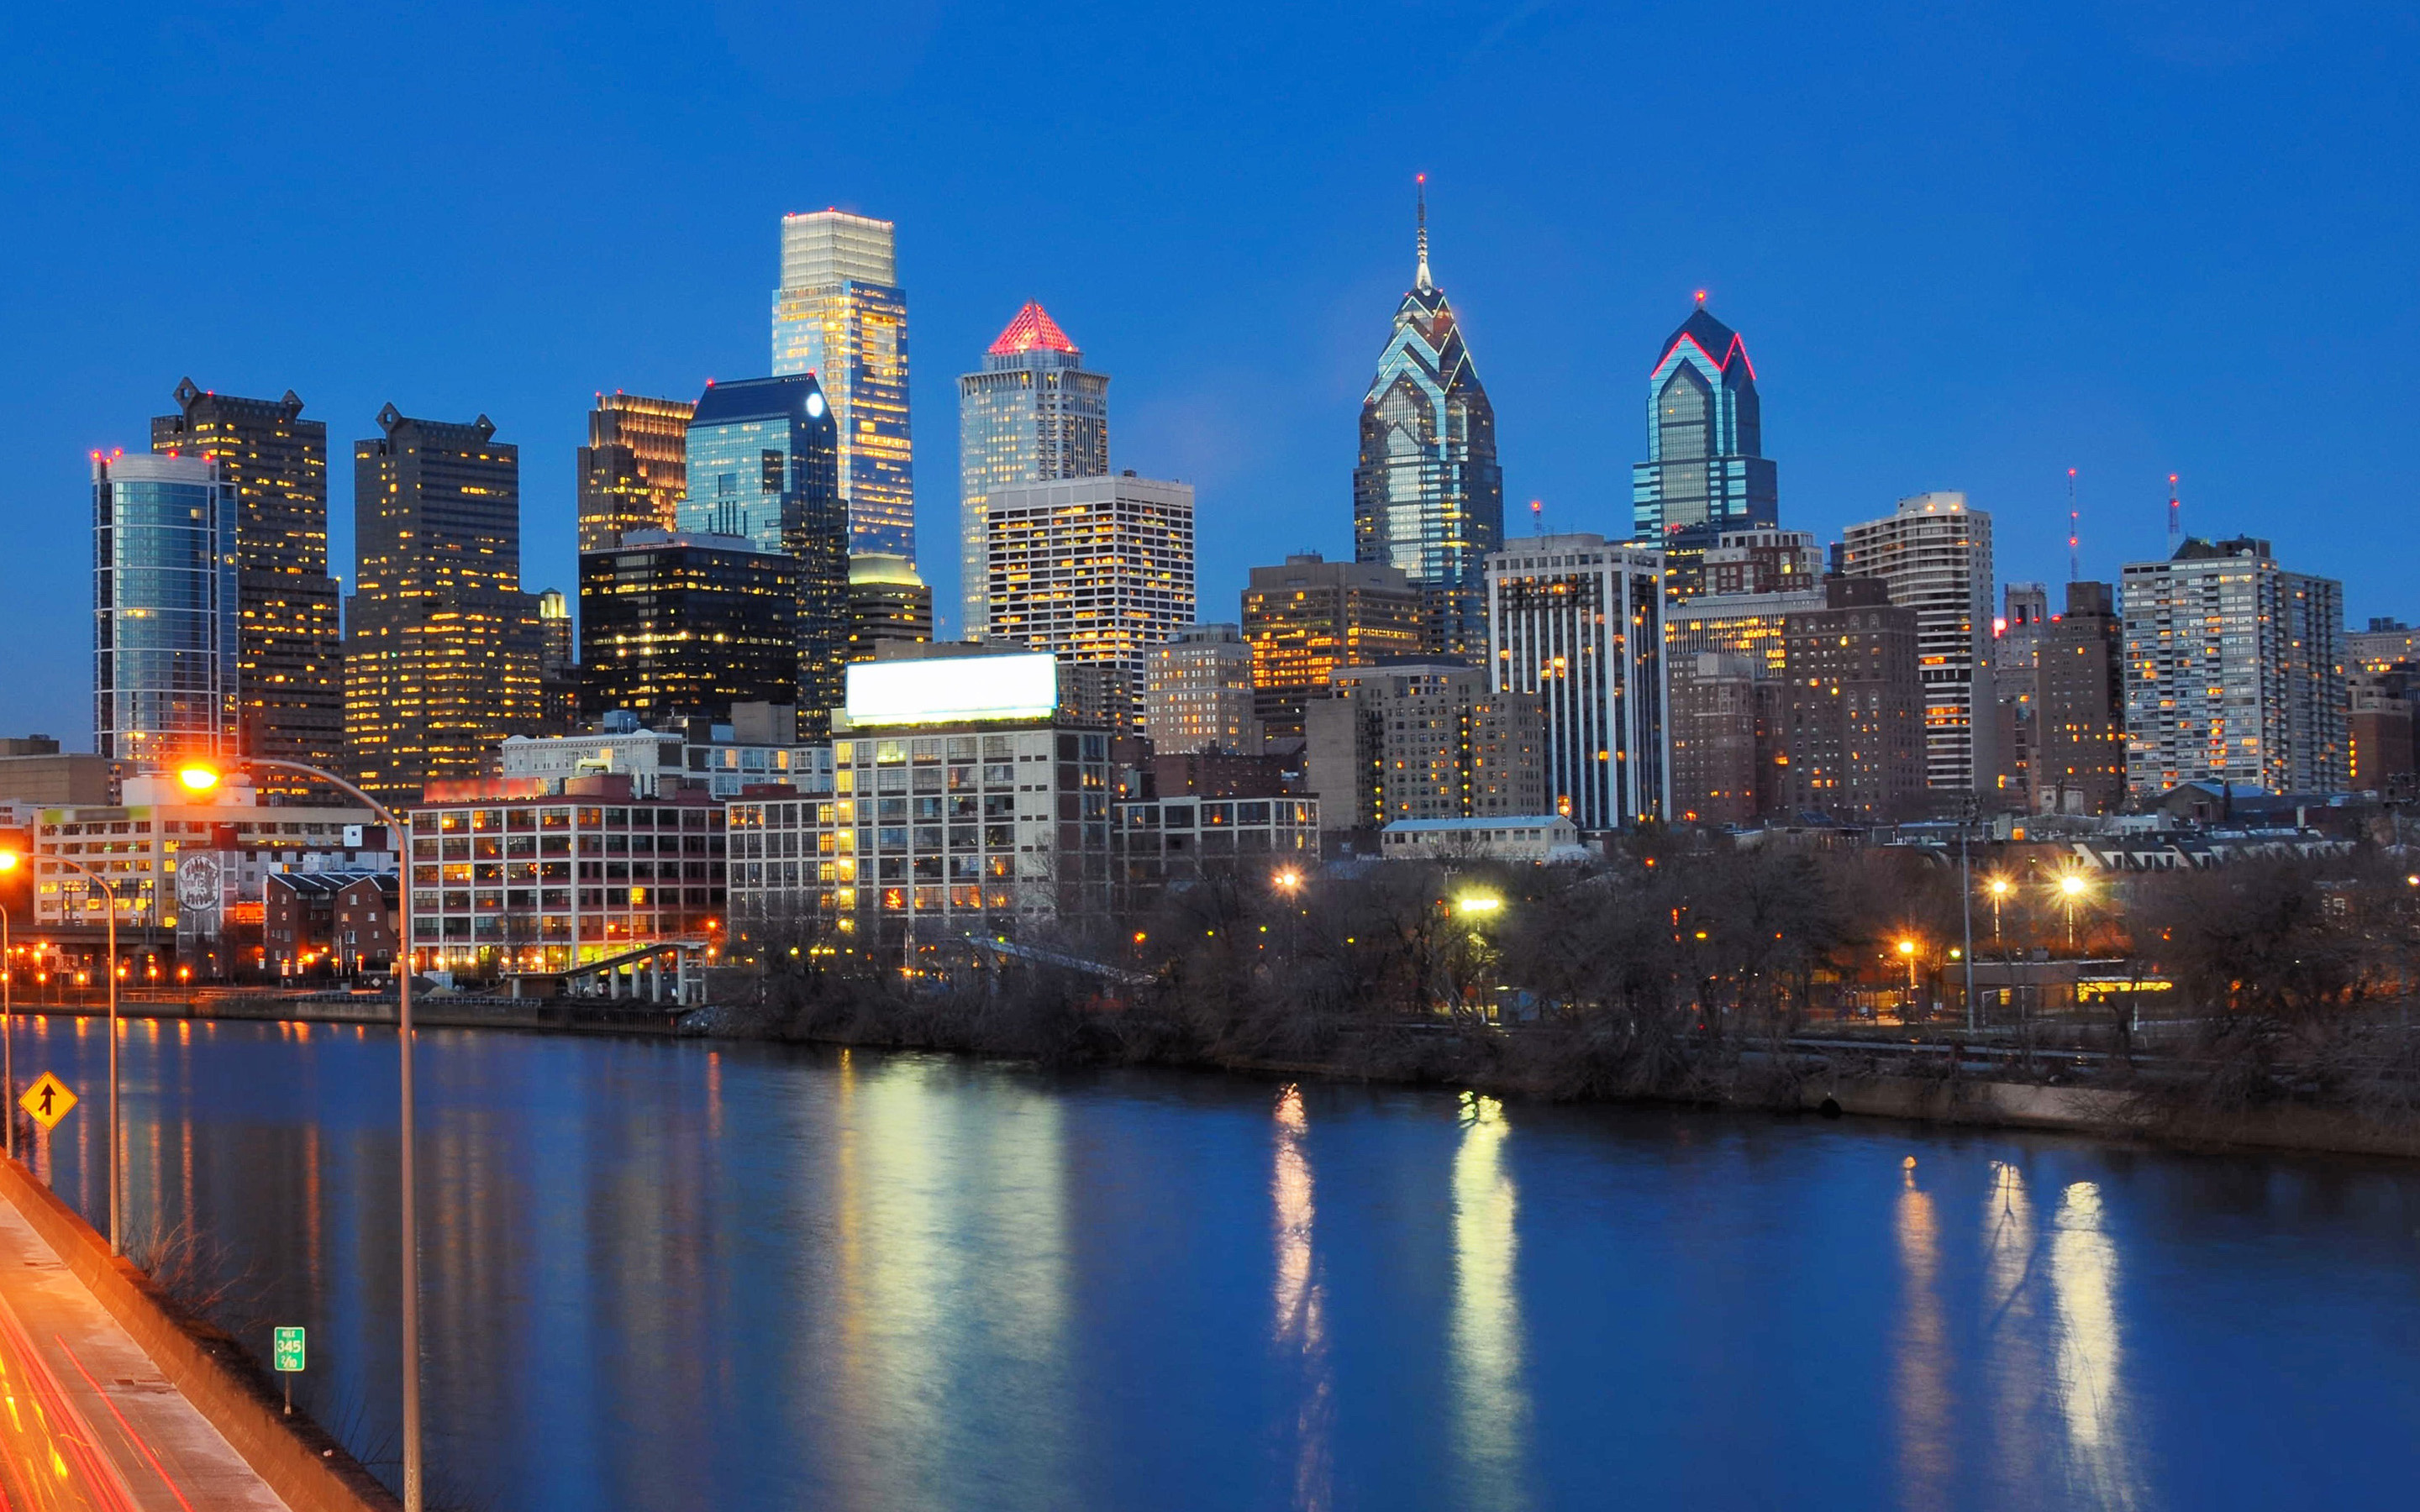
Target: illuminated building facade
1855	732
1308	616
1034	414
165	645
1706	471
1197	692
1095	570
1427	496
2234	672
290	652
686	624
634	469
1424	739
887	604
444	651
558	662
1934	553
1579	625
764	465
2016	637
2079	715
1725	676
840	316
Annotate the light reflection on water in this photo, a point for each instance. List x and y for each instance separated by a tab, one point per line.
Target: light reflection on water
674	1275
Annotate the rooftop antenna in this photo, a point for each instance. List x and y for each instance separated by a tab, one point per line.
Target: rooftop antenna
2074	572
1422	280
2176	517
1536	516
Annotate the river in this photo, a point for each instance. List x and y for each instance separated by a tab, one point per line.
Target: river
678	1274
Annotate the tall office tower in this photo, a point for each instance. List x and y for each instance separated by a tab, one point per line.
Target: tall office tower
763	464
1761	562
2234	672
1580	624
886	603
1706	471
2079	764
1853	725
167	657
558	664
1197	692
1097	570
841	314
1032	415
673	624
1310	616
1725	676
2017	638
1419	738
289	650
1428	498
633	469
441	647
1935	555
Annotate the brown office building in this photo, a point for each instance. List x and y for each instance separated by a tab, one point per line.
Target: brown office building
635	467
1415	739
887	603
1311	616
1726	718
2079	762
1855	736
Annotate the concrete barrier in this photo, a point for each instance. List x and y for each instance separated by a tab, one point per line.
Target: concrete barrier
302	1463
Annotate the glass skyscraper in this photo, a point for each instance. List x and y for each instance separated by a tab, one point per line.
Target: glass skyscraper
164	640
1032	415
1706	471
841	314
1428	497
763	466
631	473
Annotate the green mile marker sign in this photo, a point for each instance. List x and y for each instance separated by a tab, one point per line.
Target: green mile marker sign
285	1349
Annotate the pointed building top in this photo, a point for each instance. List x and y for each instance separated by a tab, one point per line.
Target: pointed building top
1420	278
1033	328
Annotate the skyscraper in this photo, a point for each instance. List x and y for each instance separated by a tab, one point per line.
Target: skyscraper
1706	471
558	665
1935	555
1308	616
886	603
1419	738
1580	624
841	314
1098	570
2234	672
673	624
764	465
1032	414
290	652
443	649
165	659
2079	755
1855	722
632	470
1428	497
2017	640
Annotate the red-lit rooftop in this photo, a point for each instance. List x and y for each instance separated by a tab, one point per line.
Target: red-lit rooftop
1031	329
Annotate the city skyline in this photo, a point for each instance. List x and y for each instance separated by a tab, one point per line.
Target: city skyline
1845	312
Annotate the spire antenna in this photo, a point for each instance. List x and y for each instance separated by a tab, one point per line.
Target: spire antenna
2176	517
1420	280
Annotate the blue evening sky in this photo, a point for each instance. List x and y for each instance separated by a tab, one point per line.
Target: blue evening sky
1970	246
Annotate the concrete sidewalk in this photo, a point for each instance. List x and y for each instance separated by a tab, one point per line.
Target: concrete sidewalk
88	1419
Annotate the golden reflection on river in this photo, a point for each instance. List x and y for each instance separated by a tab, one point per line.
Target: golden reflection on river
1491	1403
1300	1328
2014	1362
2091	1397
1920	1355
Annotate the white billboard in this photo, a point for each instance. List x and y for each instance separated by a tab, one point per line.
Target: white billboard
952	689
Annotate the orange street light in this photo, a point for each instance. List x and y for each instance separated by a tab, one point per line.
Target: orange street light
197	778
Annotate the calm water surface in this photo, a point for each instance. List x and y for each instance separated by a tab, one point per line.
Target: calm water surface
675	1276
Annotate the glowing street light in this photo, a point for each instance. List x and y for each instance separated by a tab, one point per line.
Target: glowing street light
1907	951
2072	887
1288	881
2001	887
1478	903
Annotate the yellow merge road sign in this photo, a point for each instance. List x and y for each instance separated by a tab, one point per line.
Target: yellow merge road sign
48	1099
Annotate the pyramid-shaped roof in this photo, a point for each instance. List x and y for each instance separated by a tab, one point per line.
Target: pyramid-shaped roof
1033	328
1718	341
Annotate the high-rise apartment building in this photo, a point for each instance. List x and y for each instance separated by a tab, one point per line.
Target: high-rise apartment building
2234	672
289	650
1034	414
1853	719
2017	638
1417	739
558	664
841	314
1095	570
1579	623
443	649
2385	713
1427	496
1308	616
633	471
764	465
2079	757
1725	675
1935	555
686	624
1197	692
887	603
1706	471
166	671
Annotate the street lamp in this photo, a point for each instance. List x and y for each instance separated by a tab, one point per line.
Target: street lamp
201	777
1478	903
2070	889
2000	889
109	898
1907	950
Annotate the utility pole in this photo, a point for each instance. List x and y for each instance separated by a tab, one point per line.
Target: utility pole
1967	905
